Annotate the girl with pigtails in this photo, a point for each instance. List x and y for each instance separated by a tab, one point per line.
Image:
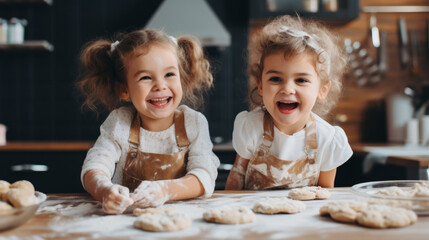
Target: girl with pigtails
153	147
296	68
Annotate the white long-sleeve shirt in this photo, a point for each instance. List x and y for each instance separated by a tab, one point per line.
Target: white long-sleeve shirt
109	152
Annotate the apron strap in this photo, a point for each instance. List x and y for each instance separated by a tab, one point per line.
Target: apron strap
134	138
179	125
311	134
268	127
179	121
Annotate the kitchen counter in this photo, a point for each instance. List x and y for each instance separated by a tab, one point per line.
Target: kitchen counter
73	216
415	159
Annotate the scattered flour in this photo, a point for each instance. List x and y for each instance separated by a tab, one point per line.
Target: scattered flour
84	219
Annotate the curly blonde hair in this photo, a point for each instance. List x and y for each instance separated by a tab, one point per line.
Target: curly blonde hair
293	36
104	70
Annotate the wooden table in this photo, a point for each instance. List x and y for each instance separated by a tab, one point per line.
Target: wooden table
68	216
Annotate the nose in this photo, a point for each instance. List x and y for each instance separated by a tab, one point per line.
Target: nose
288	87
160	84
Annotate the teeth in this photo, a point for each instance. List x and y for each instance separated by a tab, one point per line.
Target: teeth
159	99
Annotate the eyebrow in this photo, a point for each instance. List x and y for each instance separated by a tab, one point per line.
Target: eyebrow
295	74
165	69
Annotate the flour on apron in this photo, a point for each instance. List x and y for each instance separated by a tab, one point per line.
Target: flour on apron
266	171
141	166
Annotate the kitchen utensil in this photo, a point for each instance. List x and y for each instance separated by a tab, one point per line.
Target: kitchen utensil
424	130
412	132
414	67
374	191
382	54
375	35
17	216
399	110
403	43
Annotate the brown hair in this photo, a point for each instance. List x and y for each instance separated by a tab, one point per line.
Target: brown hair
273	38
104	71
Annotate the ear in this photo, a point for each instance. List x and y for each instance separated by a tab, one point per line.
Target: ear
324	90
123	93
260	88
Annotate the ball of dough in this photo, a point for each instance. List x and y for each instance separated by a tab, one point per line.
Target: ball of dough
4	188
4	208
23	185
20	198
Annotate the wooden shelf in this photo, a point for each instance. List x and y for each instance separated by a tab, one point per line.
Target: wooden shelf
46	146
348	11
48	2
30	45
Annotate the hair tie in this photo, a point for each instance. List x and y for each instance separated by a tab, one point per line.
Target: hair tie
113	46
310	40
174	39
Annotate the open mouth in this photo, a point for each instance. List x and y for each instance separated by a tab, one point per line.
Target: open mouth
159	102
287	106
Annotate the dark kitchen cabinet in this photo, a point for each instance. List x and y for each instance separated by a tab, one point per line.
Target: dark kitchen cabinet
266	9
52	167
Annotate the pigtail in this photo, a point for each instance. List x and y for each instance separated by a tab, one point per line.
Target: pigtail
97	84
195	75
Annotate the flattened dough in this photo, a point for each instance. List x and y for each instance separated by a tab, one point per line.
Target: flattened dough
278	205
309	193
162	222
369	215
342	211
229	215
383	216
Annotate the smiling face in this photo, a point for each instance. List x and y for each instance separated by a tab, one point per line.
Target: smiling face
153	85
289	88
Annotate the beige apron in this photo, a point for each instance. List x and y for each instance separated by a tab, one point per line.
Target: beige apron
141	166
266	171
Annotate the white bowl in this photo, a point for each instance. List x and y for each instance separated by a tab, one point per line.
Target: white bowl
17	216
373	192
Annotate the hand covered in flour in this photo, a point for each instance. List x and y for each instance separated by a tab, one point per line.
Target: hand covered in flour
116	198
149	194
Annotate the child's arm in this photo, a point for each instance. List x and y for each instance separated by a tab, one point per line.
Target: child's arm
115	198
327	178
236	176
156	193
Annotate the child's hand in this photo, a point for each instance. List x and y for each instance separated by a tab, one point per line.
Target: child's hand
116	199
149	194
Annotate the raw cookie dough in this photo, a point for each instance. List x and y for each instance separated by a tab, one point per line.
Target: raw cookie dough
23	185
4	188
20	198
229	215
369	215
162	222
278	205
343	211
383	216
309	193
163	209
4	208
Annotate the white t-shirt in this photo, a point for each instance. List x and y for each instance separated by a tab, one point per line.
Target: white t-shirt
333	147
109	152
